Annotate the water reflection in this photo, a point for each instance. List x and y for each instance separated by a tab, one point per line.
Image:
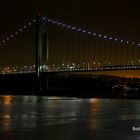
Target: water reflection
7	100
6	115
95	106
24	117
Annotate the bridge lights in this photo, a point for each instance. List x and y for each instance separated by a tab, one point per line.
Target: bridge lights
12	35
84	31
73	28
73	64
79	29
48	20
20	30
63	25
29	23
25	27
58	23
44	18
94	63
69	26
34	20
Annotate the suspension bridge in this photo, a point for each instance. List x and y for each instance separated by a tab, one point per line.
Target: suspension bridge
65	47
47	45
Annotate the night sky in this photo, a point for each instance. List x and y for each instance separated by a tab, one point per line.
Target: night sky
119	18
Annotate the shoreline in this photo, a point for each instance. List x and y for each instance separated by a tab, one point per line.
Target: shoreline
69	85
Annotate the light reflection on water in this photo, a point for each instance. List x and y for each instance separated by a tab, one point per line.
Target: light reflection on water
6	116
55	118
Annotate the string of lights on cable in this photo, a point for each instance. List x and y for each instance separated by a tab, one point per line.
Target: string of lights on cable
16	33
93	34
67	26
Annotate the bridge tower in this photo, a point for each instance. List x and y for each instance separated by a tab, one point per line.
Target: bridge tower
41	51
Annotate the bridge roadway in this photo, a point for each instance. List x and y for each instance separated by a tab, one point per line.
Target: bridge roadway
81	69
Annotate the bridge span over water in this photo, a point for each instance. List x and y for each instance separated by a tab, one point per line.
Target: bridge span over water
49	45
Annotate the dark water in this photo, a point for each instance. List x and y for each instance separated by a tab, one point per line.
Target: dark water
42	118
